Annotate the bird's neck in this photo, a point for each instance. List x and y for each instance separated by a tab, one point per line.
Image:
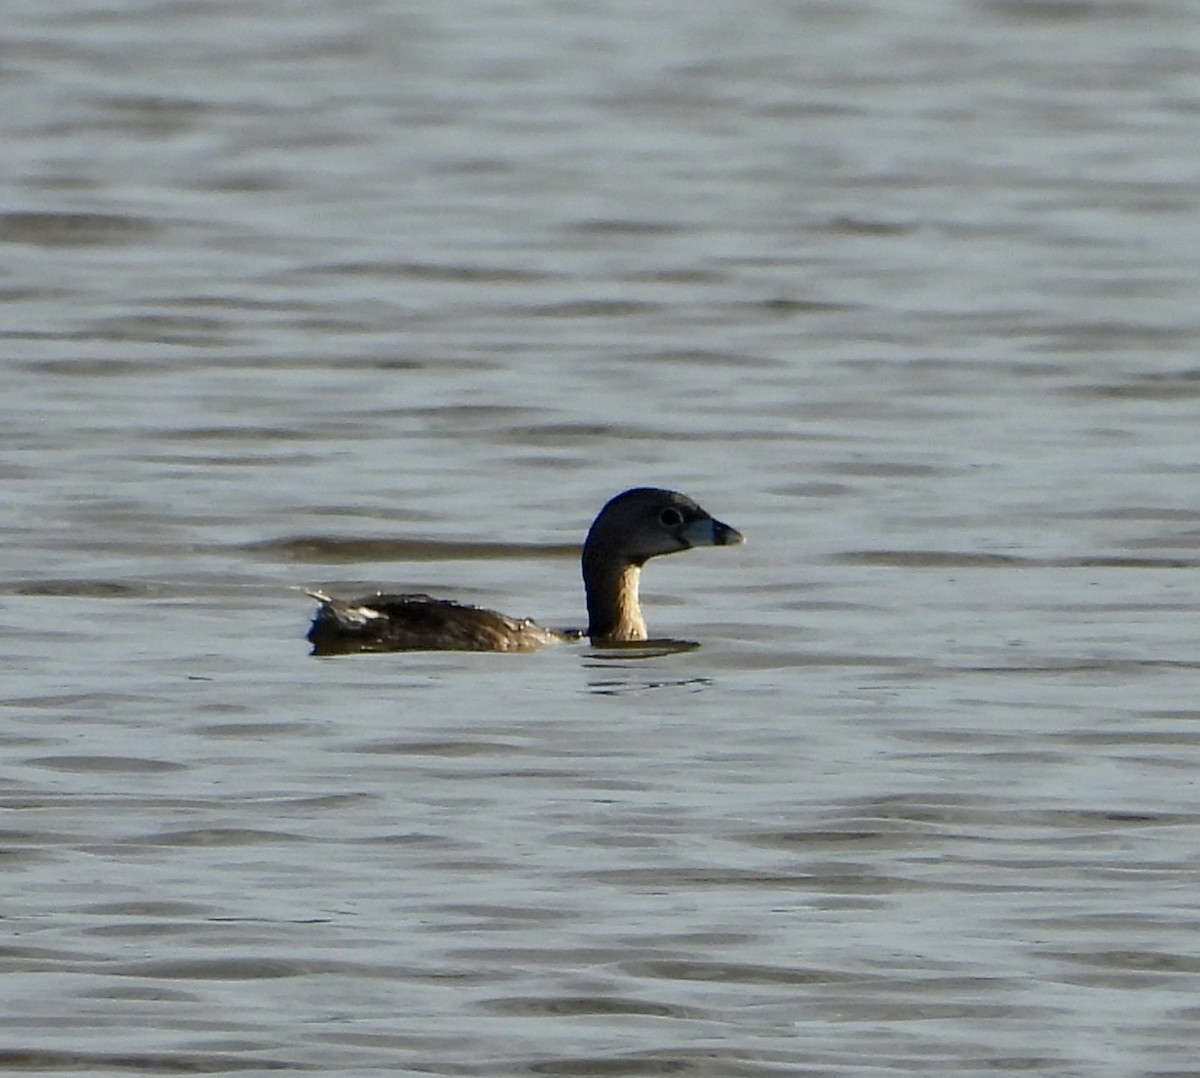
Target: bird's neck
614	612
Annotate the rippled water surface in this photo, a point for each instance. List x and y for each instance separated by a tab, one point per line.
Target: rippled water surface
397	294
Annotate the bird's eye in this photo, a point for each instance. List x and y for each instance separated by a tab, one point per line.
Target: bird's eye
670	518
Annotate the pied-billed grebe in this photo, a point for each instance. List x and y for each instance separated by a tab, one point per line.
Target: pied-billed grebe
632	528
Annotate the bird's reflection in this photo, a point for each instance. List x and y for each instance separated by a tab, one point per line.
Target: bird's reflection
625	669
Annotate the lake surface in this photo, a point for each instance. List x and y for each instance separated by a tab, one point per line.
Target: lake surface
397	294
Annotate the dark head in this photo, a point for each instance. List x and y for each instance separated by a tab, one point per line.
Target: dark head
644	522
632	528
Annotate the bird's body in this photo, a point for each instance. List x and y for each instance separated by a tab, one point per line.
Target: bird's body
383	622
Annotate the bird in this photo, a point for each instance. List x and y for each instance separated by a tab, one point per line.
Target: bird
631	528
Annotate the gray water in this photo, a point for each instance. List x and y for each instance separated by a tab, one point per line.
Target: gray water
397	294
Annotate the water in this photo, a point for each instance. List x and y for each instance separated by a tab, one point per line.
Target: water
397	295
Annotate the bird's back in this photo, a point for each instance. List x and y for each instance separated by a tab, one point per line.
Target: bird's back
383	622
